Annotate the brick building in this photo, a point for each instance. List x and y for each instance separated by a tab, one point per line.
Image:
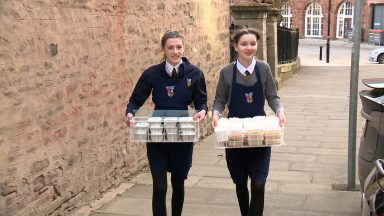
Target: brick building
311	17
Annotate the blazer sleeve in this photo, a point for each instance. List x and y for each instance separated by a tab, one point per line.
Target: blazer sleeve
200	93
222	93
140	93
271	91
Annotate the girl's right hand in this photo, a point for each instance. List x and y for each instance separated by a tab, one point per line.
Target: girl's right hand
128	119
215	119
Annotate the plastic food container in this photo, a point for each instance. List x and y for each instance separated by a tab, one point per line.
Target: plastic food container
171	130
157	137
186	122
141	128
273	136
140	137
255	137
223	123
156	130
170	121
221	134
188	137
172	137
187	129
235	124
155	122
236	138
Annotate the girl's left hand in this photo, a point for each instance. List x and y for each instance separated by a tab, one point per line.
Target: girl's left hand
200	115
282	120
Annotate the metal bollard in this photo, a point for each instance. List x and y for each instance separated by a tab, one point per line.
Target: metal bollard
321	53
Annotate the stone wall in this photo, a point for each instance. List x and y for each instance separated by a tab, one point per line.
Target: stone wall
67	70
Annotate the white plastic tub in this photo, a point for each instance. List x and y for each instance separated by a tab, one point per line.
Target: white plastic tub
172	137
157	137
155	122
221	134
171	130
141	128
188	137
140	137
187	129
156	130
170	121
186	122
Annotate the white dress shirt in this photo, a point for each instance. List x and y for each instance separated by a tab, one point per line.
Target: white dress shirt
169	67
250	68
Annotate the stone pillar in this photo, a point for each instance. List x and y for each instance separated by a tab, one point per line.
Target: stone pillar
253	15
272	54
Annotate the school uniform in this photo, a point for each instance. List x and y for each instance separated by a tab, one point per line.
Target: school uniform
170	93
246	97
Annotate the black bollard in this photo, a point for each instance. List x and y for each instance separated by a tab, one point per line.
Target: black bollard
321	53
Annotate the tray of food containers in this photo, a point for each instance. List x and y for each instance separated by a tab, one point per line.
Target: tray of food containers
259	131
164	128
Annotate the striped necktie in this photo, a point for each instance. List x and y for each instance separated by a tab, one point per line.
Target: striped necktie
174	73
247	73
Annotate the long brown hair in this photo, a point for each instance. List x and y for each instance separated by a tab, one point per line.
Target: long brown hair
170	34
243	31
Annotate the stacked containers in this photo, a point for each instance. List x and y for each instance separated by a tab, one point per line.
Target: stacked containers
187	129
273	131
140	131
248	132
255	130
171	129
221	131
156	129
236	134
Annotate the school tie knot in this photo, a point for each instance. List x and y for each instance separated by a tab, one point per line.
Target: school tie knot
174	73
247	73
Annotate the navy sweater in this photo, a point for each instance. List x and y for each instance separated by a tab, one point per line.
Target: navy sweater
189	86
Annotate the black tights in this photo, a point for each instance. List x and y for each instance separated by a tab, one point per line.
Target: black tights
160	191
256	207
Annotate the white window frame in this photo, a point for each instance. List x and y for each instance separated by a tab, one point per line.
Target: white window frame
314	20
341	15
286	12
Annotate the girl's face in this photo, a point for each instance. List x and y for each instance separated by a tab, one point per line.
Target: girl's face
173	50
246	47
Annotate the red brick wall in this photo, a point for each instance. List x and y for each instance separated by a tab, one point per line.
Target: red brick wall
367	15
67	70
299	7
298	13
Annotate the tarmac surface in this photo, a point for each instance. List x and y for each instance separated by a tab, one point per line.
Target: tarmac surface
302	172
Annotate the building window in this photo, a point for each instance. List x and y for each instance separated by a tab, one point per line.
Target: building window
378	16
287	16
344	19
314	20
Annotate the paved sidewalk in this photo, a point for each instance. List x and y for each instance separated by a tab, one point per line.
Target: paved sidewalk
302	172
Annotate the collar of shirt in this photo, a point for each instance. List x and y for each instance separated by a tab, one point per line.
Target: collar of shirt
250	68
169	67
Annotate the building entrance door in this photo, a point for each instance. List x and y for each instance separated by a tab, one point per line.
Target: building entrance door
347	26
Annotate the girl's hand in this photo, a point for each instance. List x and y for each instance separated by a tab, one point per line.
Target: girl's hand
282	120
215	119
128	119
200	115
